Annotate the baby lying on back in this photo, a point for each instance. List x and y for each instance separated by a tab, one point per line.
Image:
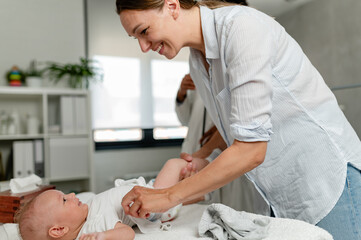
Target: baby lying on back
55	215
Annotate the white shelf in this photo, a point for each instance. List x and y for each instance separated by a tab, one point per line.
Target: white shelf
45	104
40	91
39	136
20	137
54	135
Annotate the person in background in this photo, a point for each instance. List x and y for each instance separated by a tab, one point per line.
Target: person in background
282	124
191	113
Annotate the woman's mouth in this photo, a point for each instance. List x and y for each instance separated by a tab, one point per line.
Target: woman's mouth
159	48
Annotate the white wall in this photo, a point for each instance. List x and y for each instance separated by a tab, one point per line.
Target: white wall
107	36
45	30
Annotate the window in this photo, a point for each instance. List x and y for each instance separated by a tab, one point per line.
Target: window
131	107
134	105
166	78
116	100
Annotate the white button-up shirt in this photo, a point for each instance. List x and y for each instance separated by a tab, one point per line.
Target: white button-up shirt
260	86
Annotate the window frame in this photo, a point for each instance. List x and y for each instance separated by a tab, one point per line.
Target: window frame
147	141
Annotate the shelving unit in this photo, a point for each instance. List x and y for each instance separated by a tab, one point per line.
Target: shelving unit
67	149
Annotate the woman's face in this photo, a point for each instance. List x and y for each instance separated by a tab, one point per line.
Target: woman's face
155	29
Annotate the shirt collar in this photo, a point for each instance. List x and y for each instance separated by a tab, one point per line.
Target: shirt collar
209	33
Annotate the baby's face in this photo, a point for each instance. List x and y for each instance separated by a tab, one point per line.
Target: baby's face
63	209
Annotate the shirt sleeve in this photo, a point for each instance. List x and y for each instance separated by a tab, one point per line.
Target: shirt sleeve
248	56
215	153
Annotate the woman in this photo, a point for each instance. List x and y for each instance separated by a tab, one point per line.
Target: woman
281	123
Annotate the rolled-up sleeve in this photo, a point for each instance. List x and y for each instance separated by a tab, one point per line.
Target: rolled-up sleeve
248	57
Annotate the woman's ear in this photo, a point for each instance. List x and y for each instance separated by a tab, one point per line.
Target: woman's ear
58	231
173	7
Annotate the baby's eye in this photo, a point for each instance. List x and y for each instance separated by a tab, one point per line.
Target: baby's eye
144	31
64	200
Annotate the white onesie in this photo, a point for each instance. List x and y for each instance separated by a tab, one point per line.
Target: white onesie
105	210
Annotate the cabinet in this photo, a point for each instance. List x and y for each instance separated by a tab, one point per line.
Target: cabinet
47	131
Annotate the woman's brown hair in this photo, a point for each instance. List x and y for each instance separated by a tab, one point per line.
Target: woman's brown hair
158	4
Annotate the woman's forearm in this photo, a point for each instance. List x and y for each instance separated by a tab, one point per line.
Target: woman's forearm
236	160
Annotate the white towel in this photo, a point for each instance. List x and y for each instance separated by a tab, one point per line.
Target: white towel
222	222
26	184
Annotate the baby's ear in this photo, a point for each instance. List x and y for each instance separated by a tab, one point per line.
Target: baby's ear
58	231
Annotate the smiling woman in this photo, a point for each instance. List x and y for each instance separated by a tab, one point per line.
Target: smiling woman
270	105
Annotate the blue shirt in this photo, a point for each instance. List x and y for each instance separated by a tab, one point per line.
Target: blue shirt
260	86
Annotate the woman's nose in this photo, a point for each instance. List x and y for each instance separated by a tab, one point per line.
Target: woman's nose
144	45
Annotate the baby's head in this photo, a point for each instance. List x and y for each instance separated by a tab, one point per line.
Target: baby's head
52	215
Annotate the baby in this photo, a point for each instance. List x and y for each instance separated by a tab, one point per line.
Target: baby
55	215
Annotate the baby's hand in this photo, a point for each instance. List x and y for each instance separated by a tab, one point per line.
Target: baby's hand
93	236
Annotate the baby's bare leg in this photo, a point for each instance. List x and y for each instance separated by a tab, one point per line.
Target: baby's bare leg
169	174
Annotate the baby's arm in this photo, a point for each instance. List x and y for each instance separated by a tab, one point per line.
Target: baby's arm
120	232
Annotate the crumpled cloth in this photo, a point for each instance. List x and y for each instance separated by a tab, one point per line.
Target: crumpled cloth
26	184
221	222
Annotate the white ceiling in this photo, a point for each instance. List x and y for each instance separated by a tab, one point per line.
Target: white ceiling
276	7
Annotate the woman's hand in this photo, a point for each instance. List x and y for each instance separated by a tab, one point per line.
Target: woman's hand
188	171
186	156
194	165
141	201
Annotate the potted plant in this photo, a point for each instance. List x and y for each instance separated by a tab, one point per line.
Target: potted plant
78	75
34	76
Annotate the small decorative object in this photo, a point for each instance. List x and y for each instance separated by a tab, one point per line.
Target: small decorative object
78	75
32	125
14	124
34	75
15	77
4	121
